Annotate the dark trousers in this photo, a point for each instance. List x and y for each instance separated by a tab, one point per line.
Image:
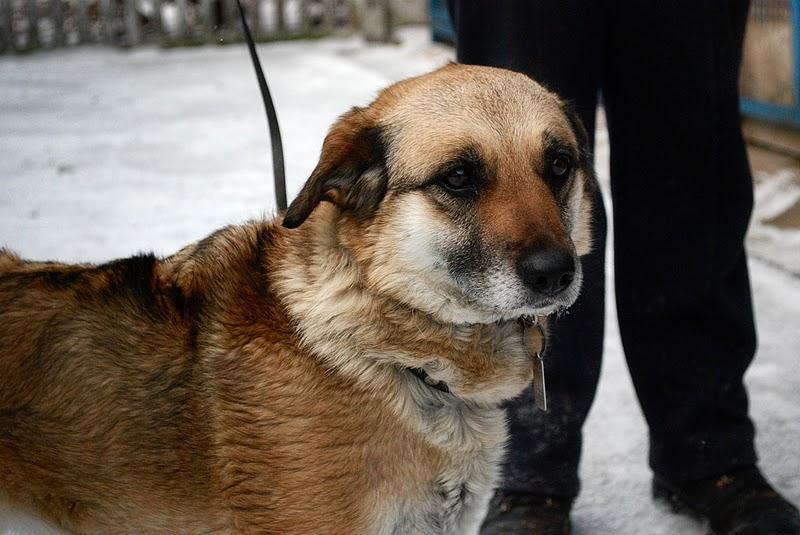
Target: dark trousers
682	196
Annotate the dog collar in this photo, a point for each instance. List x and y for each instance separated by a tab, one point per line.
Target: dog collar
423	376
539	389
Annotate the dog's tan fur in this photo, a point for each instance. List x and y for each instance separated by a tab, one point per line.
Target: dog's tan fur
257	380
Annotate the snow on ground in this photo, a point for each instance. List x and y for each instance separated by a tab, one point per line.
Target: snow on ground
776	194
104	153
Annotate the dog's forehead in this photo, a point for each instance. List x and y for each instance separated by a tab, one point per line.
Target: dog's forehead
432	117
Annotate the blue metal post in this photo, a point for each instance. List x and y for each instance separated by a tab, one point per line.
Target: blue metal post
794	19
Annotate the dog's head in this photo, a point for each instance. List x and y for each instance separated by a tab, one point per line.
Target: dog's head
464	193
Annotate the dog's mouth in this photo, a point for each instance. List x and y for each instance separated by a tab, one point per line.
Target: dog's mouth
482	312
542	308
492	307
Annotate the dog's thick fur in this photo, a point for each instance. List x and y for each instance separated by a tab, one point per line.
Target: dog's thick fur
257	381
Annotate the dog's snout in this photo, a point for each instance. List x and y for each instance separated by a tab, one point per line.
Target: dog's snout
547	270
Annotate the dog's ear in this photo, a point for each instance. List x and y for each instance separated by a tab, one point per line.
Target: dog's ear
351	172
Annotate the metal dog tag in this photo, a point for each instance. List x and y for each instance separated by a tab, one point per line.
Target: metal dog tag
539	388
536	341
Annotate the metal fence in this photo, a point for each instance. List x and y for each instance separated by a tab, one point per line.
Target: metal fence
28	25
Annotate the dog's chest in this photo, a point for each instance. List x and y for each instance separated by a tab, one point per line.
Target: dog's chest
471	442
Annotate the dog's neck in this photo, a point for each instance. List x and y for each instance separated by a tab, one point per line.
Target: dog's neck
372	337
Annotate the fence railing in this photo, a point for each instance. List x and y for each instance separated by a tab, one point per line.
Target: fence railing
28	25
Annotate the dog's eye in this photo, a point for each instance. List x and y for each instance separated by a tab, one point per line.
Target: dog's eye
459	181
560	166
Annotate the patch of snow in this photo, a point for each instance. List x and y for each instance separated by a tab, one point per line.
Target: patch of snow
775	194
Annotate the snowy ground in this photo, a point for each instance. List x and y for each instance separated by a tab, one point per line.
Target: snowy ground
104	153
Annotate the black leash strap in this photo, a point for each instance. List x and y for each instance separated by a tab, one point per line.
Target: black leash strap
278	171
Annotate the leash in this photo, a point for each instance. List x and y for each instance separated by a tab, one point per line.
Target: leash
278	171
279	174
277	159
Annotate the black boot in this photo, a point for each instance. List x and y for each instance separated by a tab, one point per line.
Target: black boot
527	514
739	503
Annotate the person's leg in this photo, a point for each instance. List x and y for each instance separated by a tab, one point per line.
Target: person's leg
682	196
558	43
682	200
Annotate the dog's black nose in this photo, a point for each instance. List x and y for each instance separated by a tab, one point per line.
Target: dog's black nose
547	270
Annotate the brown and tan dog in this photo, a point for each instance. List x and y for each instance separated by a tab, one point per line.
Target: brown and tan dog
259	381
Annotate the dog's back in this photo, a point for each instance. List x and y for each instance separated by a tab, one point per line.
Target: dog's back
173	396
98	388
